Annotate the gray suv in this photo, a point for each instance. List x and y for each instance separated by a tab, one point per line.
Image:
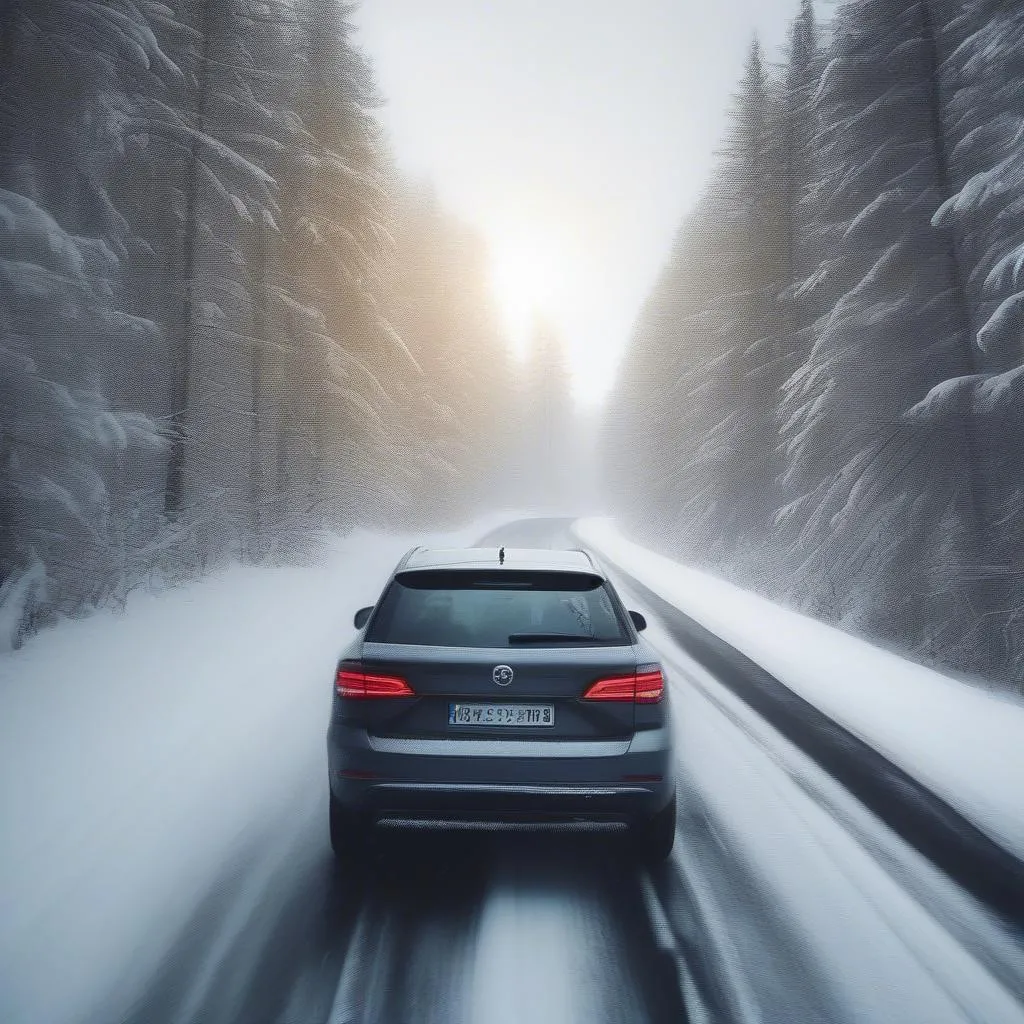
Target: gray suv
500	689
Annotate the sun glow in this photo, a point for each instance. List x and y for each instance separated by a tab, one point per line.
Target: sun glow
530	281
535	275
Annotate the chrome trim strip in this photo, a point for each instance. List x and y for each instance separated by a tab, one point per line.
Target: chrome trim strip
500	748
454	825
476	787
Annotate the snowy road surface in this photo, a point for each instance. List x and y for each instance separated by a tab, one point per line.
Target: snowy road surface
165	853
444	931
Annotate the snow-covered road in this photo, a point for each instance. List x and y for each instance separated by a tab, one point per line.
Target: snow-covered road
165	859
808	907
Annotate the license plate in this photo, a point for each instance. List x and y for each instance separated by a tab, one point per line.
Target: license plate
501	714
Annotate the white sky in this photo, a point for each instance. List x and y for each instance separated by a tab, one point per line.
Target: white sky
573	133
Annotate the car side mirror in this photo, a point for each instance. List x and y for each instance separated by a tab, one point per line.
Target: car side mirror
638	621
362	617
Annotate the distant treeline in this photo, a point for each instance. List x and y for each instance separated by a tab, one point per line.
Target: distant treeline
226	324
824	397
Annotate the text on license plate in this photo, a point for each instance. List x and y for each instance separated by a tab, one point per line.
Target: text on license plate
501	714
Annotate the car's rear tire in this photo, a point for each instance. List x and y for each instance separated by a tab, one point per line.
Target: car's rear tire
655	838
350	832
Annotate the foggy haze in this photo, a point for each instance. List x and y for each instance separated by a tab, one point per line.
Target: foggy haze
574	134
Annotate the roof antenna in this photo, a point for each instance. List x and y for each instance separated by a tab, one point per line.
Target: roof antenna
501	556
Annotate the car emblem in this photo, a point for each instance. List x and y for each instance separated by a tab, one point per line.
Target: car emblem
502	675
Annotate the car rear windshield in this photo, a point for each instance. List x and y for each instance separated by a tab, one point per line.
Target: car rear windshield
497	609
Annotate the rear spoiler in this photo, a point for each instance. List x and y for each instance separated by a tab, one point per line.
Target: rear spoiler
475	578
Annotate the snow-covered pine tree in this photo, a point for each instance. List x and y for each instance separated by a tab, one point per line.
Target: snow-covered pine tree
346	359
984	112
66	326
866	536
318	402
452	425
721	411
981	210
798	129
644	432
753	191
701	383
206	146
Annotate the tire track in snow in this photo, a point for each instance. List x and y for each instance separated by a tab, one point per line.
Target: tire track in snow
567	941
440	930
506	930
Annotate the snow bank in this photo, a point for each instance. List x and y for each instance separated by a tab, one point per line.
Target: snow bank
965	744
141	752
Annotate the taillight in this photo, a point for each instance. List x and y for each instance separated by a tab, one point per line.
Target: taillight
615	688
354	682
650	687
638	688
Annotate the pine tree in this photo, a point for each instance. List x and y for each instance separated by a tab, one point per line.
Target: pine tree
704	376
65	331
876	489
454	419
756	194
329	291
984	111
798	131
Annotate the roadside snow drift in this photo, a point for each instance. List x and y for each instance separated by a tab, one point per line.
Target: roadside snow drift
961	741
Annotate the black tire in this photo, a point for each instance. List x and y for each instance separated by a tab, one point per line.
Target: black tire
350	832
655	837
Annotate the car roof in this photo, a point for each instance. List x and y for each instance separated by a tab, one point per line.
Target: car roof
487	558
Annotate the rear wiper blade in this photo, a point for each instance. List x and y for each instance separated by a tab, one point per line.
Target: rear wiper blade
543	638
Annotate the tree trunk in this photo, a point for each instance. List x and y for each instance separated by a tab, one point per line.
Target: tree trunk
257	478
182	368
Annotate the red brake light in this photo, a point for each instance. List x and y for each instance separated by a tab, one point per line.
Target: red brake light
650	687
639	688
354	682
614	688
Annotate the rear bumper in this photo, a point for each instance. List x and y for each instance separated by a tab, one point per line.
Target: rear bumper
605	782
539	805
